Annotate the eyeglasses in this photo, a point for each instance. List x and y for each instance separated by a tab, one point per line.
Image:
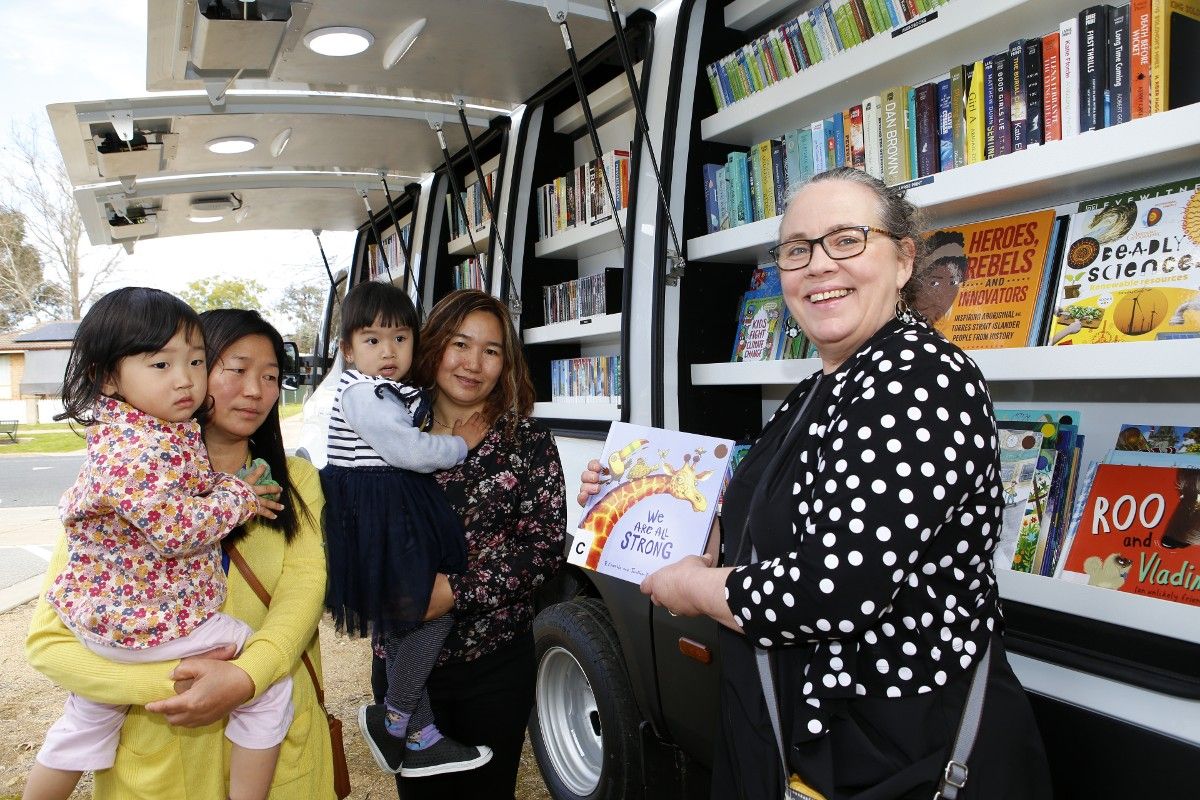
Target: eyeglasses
840	244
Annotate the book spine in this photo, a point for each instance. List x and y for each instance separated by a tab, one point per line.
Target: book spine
894	14
974	133
846	132
1035	124
945	125
723	199
1018	110
1158	56
1068	76
817	130
757	209
895	160
861	21
710	197
872	137
857	138
910	130
1119	95
927	129
806	154
1002	69
1139	58
791	163
1051	99
715	84
779	181
960	78
989	108
809	34
835	35
1093	67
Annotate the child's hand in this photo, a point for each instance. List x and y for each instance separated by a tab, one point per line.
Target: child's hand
472	431
593	477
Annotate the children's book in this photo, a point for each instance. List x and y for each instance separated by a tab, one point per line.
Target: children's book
658	505
1131	268
760	318
984	279
735	459
1019	452
1139	532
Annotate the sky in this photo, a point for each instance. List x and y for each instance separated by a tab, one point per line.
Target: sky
69	51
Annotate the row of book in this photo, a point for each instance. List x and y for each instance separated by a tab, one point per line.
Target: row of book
1108	65
1136	518
589	379
814	36
475	205
392	250
584	297
1118	268
468	274
581	197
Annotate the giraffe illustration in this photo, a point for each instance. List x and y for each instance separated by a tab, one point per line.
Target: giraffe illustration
680	483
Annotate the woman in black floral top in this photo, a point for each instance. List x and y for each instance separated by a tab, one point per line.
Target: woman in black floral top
509	493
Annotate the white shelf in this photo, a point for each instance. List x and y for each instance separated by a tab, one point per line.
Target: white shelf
588	329
610	97
580	242
462	246
1134	154
1163	617
964	31
742	15
1178	358
590	411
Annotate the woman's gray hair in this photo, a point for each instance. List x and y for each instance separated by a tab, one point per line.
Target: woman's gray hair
896	214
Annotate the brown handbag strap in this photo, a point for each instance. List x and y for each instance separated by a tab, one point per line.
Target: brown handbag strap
261	591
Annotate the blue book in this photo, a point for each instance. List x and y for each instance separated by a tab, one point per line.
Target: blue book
910	111
945	126
807	170
827	10
893	12
710	197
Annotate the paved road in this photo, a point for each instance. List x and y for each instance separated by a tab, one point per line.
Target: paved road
36	480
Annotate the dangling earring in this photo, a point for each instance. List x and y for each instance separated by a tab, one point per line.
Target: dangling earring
904	313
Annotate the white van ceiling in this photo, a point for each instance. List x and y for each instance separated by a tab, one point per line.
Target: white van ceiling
322	128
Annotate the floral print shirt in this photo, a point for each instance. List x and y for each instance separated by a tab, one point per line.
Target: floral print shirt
143	523
511	496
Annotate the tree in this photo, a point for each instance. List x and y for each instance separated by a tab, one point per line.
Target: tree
208	294
303	305
40	188
24	291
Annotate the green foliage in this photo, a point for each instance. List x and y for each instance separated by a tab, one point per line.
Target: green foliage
24	292
208	294
302	305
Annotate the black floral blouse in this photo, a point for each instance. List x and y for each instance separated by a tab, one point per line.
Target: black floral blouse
511	496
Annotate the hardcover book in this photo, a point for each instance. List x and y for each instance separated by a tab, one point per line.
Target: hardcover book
985	278
1129	269
1138	533
658	505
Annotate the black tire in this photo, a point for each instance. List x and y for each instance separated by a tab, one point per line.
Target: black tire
586	745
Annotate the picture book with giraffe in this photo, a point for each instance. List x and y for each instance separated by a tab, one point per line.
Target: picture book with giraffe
658	503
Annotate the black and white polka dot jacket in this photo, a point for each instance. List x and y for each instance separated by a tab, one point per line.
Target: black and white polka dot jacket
897	509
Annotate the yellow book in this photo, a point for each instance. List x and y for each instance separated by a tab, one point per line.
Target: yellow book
762	151
895	135
975	115
1158	61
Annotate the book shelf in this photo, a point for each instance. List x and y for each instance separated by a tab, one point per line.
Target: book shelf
599	329
580	243
594	412
470	243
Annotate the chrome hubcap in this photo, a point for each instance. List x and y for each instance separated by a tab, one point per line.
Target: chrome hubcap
569	721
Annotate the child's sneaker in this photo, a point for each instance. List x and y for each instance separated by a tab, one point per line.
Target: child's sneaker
446	755
389	751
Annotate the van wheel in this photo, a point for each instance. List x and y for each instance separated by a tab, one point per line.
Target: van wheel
585	740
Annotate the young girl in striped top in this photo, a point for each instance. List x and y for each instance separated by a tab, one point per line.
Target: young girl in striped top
389	528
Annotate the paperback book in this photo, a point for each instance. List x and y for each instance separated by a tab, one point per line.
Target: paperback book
658	505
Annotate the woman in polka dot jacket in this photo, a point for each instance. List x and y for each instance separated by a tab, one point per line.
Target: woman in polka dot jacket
873	586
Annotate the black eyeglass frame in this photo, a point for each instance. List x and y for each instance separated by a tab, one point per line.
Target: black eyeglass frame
820	240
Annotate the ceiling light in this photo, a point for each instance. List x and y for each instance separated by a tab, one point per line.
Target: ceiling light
203	220
338	41
402	43
280	142
228	145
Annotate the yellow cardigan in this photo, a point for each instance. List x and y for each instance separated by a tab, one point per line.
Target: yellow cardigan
157	760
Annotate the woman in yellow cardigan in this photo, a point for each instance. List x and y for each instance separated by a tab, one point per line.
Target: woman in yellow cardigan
172	743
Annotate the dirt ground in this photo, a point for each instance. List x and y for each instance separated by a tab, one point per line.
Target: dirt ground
29	703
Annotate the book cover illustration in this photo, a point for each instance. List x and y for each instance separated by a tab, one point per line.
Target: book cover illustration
659	504
1019	452
1157	446
984	279
1131	269
1140	533
760	318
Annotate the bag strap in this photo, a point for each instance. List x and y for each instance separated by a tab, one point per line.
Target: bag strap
763	657
261	591
954	776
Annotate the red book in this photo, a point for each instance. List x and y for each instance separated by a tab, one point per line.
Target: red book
1139	532
1139	57
1051	99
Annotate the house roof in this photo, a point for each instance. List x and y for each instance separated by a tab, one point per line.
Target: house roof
54	335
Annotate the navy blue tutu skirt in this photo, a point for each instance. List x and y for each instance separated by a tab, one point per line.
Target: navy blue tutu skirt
388	531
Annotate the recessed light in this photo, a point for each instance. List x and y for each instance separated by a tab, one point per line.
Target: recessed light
204	220
228	145
280	142
402	43
338	41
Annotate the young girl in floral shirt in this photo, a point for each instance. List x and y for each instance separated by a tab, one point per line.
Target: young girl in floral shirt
144	522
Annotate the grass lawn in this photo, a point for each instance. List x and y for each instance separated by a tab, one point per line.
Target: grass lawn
290	410
54	438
